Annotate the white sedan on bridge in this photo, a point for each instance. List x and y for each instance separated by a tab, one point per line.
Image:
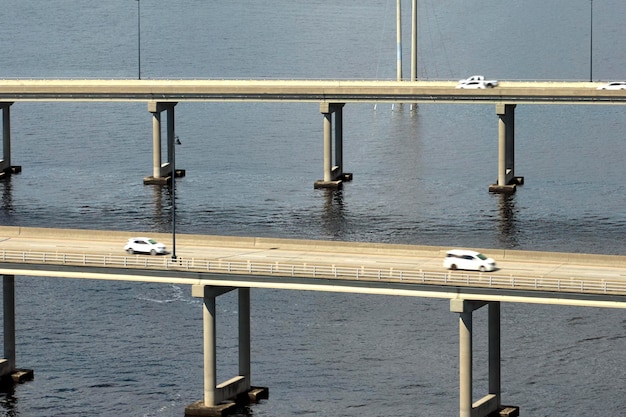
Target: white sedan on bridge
468	259
615	85
144	245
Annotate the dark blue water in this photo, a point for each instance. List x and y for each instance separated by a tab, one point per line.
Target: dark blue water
131	349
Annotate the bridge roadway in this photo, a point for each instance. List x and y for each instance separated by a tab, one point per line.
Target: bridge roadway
332	91
409	270
214	265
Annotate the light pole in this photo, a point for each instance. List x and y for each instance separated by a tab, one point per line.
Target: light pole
138	40
399	40
591	42
173	162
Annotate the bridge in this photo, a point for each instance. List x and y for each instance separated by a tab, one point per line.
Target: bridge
330	91
214	265
333	95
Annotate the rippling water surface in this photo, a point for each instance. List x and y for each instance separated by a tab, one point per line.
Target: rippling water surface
104	348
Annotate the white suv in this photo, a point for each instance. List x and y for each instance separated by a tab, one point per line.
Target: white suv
468	259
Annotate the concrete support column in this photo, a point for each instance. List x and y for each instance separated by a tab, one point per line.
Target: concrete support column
333	175
156	145
171	133
244	334
494	350
210	357
507	181
5	164
490	404
338	168
8	298
8	364
6	137
465	364
328	147
221	399
162	172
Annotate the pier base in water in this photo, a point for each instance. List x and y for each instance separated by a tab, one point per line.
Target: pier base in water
508	411
199	409
163	180
508	188
16	169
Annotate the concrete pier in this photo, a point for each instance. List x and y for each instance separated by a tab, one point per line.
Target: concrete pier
162	172
490	405
6	168
8	372
333	174
507	181
222	399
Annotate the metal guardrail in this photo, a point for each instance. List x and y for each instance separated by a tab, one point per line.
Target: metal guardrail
322	271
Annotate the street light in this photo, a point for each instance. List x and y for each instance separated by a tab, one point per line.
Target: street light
138	40
591	43
173	162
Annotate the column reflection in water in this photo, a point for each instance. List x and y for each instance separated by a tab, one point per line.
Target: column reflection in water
162	206
333	220
6	205
507	229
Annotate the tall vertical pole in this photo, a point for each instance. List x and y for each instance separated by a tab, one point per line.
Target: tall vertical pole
414	42
399	39
171	144
138	40
591	43
414	46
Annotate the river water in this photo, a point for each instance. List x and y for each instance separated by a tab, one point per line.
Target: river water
420	177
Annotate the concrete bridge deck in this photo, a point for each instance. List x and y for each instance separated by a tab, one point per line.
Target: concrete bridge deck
215	265
409	270
334	91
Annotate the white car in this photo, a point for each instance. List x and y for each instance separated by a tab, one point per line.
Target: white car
615	85
144	245
468	259
477	81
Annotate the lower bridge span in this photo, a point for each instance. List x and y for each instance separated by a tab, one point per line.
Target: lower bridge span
214	265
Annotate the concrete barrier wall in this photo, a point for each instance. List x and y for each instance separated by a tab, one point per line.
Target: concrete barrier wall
310	245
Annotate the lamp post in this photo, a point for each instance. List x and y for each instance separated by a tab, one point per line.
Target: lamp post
138	40
399	40
591	42
173	162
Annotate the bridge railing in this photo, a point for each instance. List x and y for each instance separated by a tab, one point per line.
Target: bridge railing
322	271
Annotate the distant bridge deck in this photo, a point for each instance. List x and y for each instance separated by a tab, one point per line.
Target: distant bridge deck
388	269
334	91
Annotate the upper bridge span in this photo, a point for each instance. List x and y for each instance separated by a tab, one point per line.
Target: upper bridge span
163	95
333	91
